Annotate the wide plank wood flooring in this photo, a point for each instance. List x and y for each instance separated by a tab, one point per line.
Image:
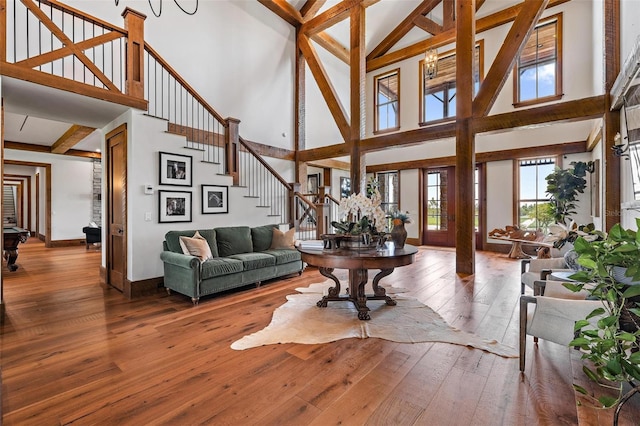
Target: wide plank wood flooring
76	352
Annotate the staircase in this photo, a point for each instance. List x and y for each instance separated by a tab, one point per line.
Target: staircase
9	217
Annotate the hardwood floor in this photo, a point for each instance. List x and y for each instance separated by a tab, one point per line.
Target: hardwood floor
75	352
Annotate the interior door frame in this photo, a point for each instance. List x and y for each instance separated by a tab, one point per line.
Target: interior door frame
107	208
446	238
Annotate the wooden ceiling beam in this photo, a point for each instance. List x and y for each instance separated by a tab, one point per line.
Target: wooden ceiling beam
47	149
575	110
325	86
332	46
505	59
427	25
332	164
283	9
449	14
402	29
70	138
323	153
329	17
311	8
447	37
484	157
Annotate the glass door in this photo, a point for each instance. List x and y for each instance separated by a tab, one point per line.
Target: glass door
439	207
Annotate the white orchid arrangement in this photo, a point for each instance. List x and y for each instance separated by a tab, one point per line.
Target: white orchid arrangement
361	214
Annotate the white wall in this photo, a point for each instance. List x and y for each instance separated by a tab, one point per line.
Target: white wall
237	54
71	191
146	138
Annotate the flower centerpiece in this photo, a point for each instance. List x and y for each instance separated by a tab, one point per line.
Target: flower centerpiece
361	215
560	234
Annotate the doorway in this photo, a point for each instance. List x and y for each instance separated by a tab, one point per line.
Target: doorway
116	176
439	206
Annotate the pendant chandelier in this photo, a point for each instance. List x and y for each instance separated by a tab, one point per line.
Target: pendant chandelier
431	63
159	12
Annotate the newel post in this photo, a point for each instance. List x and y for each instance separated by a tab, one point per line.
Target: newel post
232	145
134	79
293	218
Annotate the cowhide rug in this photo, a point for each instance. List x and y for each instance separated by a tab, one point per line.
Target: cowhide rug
299	320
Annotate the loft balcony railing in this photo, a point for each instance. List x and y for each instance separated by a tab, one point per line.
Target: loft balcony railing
49	43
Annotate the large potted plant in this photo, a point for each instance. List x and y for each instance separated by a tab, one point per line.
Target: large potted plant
612	345
563	187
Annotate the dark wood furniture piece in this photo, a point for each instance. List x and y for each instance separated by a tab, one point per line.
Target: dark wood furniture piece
358	262
12	237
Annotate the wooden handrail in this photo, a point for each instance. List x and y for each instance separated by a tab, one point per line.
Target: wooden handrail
63	7
184	84
265	164
330	197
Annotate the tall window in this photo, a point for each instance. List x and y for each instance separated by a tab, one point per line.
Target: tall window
534	210
389	190
538	73
438	95
387	102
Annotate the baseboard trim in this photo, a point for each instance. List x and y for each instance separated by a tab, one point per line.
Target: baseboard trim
413	241
134	289
66	243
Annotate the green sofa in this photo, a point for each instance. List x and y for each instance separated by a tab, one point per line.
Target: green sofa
241	256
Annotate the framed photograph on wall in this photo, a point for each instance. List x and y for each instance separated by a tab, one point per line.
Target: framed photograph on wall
313	183
215	199
175	169
174	206
345	187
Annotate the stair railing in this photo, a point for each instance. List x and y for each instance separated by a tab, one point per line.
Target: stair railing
263	183
173	99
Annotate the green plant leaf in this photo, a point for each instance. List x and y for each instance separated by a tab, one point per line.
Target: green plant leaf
634	358
627	337
614	367
633	290
608	401
579	341
580	389
635	311
579	324
590	374
596	312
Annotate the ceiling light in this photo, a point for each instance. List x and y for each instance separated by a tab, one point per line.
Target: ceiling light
431	63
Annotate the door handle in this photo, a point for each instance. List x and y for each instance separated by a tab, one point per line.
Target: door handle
120	231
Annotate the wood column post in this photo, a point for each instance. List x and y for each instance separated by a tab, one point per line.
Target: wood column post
232	147
465	138
299	115
134	79
3	31
611	119
357	72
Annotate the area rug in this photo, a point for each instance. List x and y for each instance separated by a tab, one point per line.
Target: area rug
299	320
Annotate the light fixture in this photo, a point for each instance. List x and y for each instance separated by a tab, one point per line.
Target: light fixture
431	63
619	148
160	8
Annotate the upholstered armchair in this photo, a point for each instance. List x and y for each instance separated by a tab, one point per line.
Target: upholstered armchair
552	313
92	234
532	270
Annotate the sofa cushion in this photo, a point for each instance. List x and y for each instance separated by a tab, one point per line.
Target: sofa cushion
172	238
220	266
261	237
284	255
233	240
252	261
197	246
282	240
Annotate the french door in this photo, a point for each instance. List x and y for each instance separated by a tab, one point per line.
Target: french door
439	207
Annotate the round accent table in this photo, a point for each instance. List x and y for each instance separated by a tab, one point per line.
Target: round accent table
358	262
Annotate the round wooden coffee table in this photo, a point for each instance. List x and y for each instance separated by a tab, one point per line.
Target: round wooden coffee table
358	262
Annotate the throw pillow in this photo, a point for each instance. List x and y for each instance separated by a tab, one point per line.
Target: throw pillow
196	246
282	240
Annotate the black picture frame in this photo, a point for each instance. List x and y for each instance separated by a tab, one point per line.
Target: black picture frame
174	206
345	187
215	199
175	169
313	183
